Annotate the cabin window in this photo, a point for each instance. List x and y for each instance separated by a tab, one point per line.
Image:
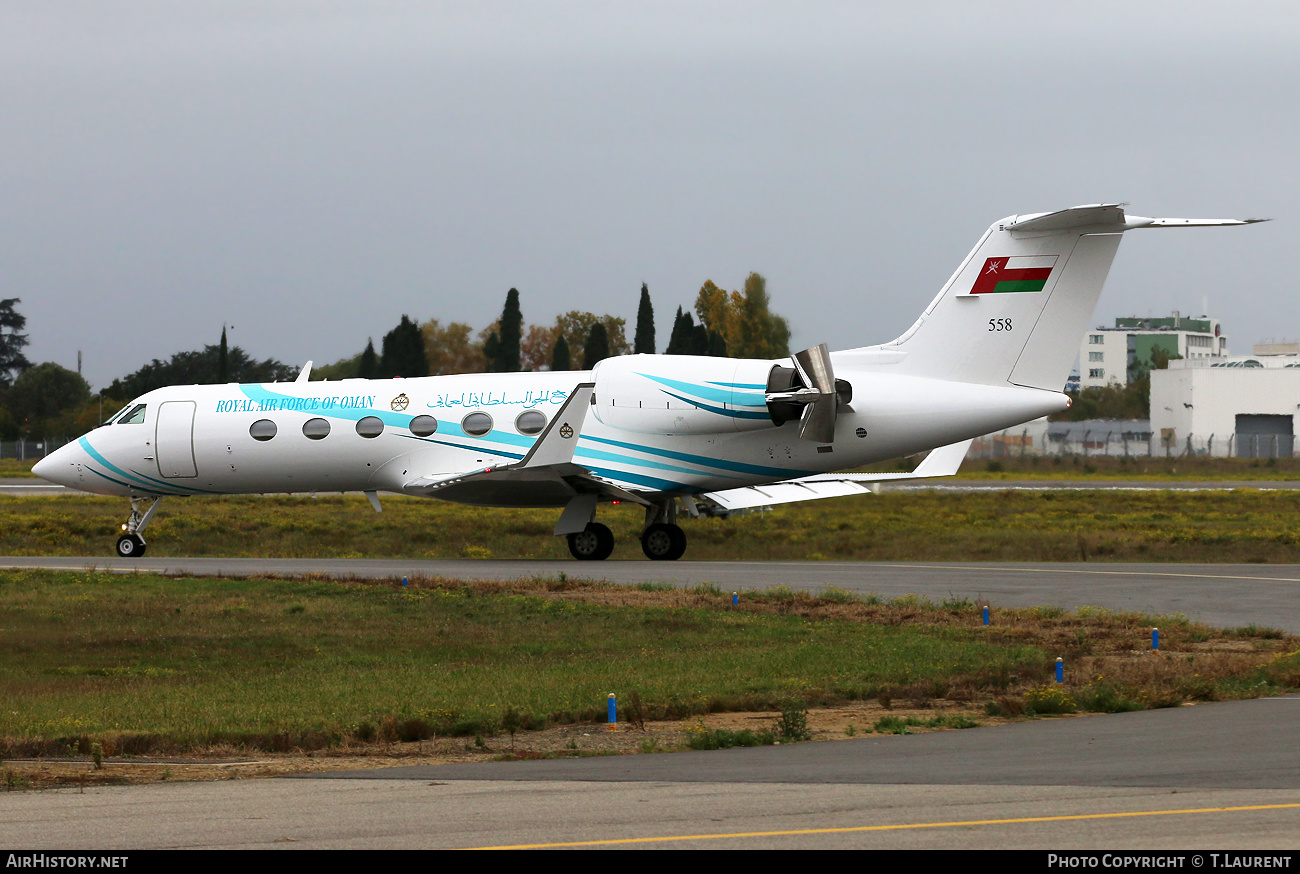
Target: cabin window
370	426
530	422
476	424
134	417
262	429
423	426
316	429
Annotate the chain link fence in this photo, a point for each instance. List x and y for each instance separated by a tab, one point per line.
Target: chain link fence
1118	442
27	449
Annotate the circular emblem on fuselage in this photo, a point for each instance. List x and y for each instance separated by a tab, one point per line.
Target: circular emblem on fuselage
400	402
565	431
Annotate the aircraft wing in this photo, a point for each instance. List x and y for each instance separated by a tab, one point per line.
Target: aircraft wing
545	477
943	461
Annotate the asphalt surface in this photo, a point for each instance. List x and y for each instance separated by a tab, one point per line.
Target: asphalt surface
1213	777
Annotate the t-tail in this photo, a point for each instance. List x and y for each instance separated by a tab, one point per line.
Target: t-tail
1015	309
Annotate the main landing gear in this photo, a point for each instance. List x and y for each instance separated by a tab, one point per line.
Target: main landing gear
661	539
663	542
593	543
131	544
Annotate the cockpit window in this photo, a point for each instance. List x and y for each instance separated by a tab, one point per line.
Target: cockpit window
134	416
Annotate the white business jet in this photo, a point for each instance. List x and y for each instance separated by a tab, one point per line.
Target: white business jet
991	351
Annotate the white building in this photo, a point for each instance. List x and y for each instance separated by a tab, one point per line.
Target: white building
1113	356
1245	407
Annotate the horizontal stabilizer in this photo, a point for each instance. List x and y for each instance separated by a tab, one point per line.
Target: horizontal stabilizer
943	461
1109	216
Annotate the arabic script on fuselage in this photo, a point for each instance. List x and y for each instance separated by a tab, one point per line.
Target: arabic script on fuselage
472	399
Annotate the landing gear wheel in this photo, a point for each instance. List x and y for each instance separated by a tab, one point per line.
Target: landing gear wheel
130	546
594	543
663	542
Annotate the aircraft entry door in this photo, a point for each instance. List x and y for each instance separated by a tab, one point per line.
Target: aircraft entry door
175	439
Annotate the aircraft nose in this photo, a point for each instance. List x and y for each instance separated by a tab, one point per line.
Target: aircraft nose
44	467
60	466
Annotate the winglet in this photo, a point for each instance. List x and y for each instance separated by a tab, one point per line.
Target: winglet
557	442
305	373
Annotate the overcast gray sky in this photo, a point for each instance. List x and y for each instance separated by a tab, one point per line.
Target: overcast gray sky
310	171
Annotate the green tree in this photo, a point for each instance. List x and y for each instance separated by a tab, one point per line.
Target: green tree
1131	401
403	352
12	341
576	326
223	359
344	368
680	342
596	349
714	307
45	399
743	320
760	332
368	366
560	355
645	324
199	367
502	348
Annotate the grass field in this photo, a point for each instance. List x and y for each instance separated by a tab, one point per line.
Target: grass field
1229	526
143	664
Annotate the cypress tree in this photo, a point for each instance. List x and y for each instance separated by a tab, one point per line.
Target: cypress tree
505	357
223	359
699	341
403	353
369	366
644	342
560	355
683	329
597	347
492	351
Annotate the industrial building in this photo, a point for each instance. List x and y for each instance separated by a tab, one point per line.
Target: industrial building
1244	407
1115	356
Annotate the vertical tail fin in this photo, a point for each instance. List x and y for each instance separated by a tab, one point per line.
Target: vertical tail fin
1017	307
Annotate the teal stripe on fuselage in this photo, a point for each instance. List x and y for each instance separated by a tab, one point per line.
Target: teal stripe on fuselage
731	414
749	386
704	460
140	479
133	487
654	465
717	395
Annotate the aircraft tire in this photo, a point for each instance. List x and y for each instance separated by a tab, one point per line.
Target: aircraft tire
595	543
130	546
662	542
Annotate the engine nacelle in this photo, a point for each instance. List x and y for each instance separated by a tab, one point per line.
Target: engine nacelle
682	394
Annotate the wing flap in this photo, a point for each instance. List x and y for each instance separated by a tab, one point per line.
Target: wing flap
943	461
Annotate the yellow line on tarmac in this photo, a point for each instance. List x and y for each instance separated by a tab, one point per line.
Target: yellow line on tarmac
883	828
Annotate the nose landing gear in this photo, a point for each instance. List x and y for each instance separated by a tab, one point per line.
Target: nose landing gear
131	544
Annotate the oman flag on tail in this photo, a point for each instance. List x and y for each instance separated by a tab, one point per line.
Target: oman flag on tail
1013	274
